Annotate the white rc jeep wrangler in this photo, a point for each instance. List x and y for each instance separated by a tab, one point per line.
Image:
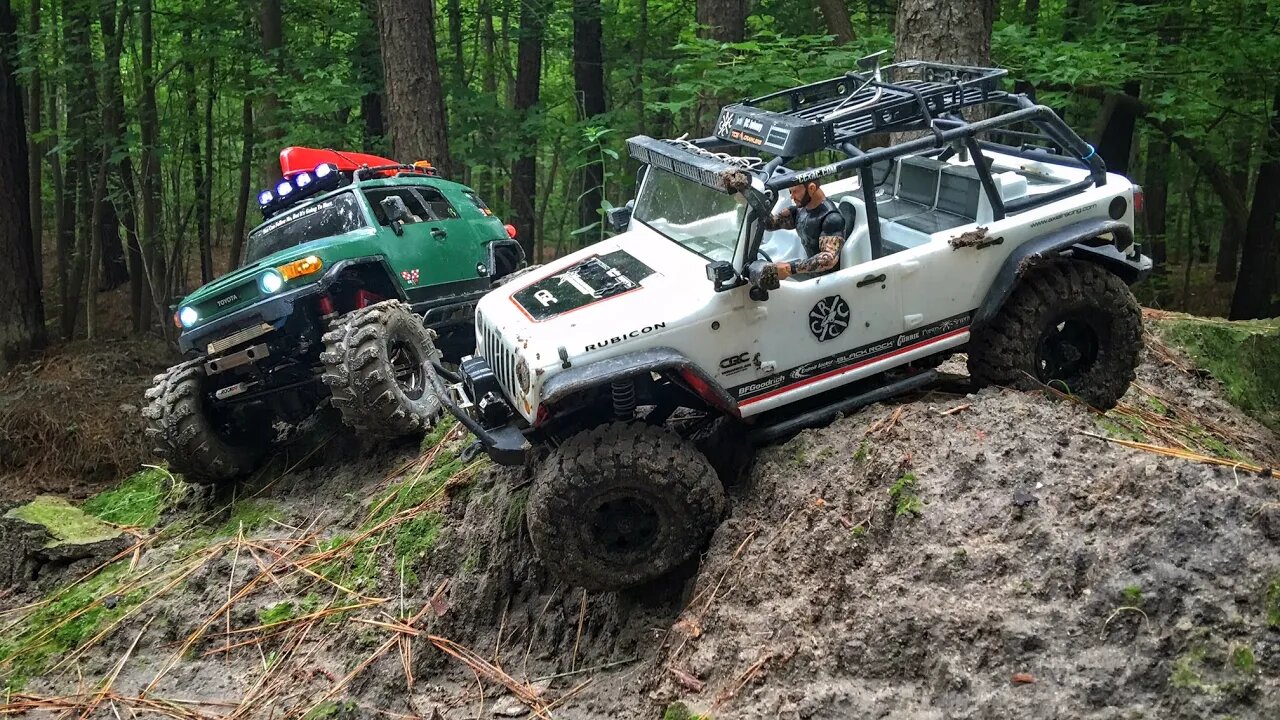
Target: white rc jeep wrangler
638	362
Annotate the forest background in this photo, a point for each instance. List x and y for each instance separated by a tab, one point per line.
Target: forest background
134	133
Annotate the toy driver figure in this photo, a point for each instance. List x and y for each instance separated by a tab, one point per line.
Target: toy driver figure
820	226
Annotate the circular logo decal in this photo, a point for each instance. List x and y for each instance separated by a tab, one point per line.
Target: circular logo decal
829	318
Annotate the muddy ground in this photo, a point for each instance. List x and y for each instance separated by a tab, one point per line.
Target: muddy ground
952	556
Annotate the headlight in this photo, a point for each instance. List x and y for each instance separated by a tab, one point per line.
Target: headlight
271	281
522	375
188	316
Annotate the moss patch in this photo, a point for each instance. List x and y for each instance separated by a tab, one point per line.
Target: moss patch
66	524
902	494
72	616
249	515
680	711
1243	356
137	502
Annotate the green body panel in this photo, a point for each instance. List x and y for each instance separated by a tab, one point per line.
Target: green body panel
456	252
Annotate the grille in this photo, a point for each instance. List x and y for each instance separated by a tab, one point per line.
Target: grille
235	339
502	360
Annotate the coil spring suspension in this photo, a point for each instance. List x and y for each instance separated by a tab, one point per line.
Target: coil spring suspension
624	400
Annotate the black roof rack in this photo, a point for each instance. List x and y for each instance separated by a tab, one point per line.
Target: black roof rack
906	96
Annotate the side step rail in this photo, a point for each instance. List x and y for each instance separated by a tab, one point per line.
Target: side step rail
826	414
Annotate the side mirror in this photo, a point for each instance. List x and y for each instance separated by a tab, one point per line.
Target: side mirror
619	217
723	276
396	211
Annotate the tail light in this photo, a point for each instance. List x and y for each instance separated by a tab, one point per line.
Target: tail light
1139	202
511	231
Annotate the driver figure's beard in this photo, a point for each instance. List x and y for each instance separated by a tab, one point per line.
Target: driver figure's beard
804	202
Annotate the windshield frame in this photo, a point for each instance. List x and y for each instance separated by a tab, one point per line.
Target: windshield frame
267	225
652	174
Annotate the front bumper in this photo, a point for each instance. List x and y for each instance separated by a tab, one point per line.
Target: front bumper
477	402
272	310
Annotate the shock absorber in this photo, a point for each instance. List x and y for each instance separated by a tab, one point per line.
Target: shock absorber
624	399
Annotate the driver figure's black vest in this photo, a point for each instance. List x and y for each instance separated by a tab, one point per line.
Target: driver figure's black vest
812	224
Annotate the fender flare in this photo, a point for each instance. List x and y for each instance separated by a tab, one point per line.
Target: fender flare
360	263
1079	240
602	372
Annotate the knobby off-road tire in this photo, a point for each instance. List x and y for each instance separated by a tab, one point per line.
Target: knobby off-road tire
1070	325
181	431
377	364
622	504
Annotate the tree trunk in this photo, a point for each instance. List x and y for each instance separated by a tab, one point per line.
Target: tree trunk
97	236
414	96
524	170
1229	239
115	268
270	124
198	179
155	294
80	137
637	81
1031	13
206	192
35	149
246	179
1080	16
455	42
953	32
588	78
1256	286
21	312
836	14
1155	189
369	74
1113	131
723	20
113	130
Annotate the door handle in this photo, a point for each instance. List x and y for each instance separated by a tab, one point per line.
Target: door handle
872	280
438	233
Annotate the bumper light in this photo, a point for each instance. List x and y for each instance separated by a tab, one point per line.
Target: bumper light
188	316
271	281
298	268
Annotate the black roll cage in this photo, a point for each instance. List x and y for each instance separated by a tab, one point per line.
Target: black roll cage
917	97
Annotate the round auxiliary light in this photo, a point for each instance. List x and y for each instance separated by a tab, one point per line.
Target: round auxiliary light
522	375
283	189
303	180
323	171
188	316
265	197
271	281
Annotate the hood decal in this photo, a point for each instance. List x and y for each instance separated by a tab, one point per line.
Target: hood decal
589	281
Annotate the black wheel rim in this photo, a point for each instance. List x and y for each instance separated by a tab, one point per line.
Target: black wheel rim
1067	350
622	527
408	365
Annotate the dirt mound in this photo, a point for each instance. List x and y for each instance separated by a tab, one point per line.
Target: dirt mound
955	555
984	557
70	422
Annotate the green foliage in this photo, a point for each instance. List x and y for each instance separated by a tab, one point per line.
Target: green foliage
903	497
1132	596
279	612
137	502
864	449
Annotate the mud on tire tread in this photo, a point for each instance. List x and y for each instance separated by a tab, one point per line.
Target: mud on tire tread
361	378
181	433
1004	352
663	467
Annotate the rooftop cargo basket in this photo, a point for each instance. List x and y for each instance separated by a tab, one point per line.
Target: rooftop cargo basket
900	97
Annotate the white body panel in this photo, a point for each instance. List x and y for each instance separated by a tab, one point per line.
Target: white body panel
810	335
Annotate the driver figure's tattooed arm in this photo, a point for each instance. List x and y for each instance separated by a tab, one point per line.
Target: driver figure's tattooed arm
828	255
785	220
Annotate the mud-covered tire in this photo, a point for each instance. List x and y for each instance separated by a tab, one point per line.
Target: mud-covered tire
1071	325
182	433
623	504
377	365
